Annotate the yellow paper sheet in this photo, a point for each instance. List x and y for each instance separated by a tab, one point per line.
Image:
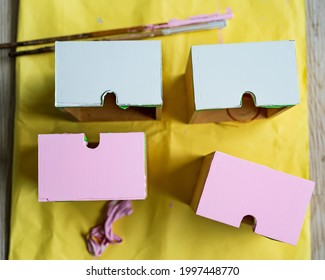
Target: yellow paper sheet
163	226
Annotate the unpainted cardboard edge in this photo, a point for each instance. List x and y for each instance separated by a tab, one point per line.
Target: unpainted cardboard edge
205	169
158	113
190	90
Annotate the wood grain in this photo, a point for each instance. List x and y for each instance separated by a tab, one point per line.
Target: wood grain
316	86
8	27
316	103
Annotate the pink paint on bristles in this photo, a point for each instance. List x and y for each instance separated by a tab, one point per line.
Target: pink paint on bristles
204	18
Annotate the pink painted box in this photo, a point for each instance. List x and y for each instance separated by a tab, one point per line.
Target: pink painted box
229	189
69	170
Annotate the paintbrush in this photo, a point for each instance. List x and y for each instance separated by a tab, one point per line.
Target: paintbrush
136	36
130	33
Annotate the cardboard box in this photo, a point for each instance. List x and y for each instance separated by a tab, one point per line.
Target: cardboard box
109	81
241	82
230	189
69	170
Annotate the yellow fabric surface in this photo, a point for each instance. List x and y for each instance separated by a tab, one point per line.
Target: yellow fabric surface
163	226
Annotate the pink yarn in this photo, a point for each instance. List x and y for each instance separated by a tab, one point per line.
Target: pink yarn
102	235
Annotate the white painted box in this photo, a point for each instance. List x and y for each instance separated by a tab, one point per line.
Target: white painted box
87	73
242	81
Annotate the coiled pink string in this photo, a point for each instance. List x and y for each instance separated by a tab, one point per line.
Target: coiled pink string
102	235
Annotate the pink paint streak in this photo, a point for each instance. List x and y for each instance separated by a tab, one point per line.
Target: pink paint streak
205	18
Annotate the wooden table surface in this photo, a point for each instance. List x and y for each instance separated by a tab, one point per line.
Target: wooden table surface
316	104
